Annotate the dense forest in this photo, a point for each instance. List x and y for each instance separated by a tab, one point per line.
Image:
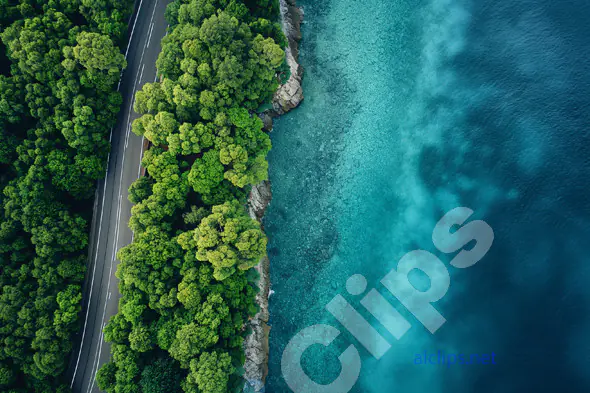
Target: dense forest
59	66
186	280
60	61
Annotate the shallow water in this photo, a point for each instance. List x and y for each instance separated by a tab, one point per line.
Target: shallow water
413	108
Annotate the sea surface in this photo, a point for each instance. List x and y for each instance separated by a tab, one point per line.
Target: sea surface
413	108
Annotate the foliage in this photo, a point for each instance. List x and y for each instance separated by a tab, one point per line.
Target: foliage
100	62
161	376
57	103
105	377
186	280
209	373
227	239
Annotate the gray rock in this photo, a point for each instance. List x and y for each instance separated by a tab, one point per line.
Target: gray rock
256	344
287	97
290	94
259	198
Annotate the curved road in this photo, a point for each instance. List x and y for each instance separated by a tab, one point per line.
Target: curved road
109	229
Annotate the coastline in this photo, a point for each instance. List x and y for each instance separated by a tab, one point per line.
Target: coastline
287	97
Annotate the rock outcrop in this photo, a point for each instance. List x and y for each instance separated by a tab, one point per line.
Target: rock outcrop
256	344
290	94
287	97
260	197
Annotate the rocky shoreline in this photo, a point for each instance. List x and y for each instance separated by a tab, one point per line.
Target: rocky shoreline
287	97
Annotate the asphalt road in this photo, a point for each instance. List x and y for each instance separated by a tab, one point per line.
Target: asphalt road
112	209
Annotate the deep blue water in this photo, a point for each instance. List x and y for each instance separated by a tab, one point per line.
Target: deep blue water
413	108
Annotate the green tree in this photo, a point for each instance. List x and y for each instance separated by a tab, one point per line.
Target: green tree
241	170
140	189
127	369
195	215
6	375
34	44
117	330
140	338
161	376
100	61
57	103
210	373
75	174
195	337
191	139
155	128
206	173
66	315
185	279
12	109
152	98
107	16
105	377
8	145
228	239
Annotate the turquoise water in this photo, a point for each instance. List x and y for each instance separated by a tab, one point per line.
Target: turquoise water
413	108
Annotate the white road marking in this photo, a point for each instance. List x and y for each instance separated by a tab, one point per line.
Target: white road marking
93	271
129	115
141	75
102	212
140	158
101	342
126	141
150	34
151	29
98	353
133	28
96	361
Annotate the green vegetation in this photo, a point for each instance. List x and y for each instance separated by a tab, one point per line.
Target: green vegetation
186	280
59	66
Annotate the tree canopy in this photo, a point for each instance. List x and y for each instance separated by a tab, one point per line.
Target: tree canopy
57	103
186	280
